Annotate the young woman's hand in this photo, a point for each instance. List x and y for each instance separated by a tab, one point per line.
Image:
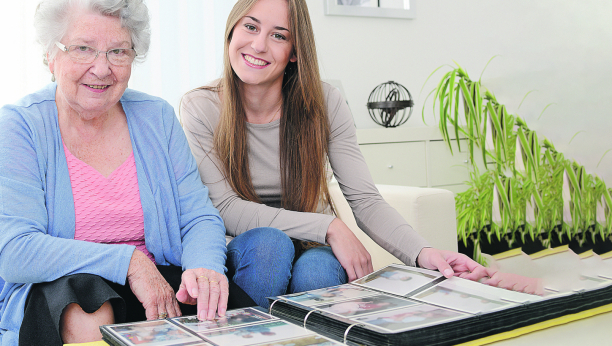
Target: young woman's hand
206	288
452	263
151	289
349	251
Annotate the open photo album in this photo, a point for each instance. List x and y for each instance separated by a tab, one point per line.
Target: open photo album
400	305
396	305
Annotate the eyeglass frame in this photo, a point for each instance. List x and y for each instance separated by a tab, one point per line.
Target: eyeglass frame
66	49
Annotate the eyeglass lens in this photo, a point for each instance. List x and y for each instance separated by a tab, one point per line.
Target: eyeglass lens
117	56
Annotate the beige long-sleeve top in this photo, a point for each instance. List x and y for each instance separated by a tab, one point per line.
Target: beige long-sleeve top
200	111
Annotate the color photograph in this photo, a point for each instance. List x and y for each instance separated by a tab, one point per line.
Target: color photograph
255	334
417	316
232	318
312	340
329	295
460	300
153	333
366	305
398	280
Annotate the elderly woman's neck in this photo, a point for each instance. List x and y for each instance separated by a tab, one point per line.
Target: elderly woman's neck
87	126
262	103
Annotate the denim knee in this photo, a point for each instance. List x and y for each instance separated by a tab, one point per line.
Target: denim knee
260	261
316	268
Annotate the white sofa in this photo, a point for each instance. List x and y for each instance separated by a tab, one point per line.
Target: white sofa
431	212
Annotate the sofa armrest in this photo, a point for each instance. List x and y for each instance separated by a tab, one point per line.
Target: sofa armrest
431	212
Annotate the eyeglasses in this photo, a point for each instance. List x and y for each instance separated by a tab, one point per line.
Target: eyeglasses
87	55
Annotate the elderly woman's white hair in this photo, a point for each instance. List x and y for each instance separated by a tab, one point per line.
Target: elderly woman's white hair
53	17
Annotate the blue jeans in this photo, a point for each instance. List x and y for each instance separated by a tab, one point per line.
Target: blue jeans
261	261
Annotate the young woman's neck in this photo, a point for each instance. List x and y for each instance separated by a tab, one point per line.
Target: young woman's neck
262	103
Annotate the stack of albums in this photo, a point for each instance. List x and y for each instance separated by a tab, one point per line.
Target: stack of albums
401	305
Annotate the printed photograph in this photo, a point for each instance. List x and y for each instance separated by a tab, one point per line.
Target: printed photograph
312	340
153	333
461	300
398	280
366	305
366	3
413	317
232	318
490	292
329	295
589	282
267	332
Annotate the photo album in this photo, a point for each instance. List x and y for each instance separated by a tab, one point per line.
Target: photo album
396	305
401	305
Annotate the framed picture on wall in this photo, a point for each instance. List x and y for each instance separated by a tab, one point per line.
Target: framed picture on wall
371	8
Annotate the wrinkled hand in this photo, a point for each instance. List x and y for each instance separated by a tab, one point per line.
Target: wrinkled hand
452	263
151	289
206	288
515	282
349	251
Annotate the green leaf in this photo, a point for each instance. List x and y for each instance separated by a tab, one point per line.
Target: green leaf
431	74
548	105
574	136
602	156
487	64
524	97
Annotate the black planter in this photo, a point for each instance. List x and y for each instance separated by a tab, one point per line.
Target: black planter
468	249
495	246
602	246
581	243
531	246
516	239
558	238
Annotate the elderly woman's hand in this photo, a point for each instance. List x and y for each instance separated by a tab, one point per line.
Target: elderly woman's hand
206	288
151	289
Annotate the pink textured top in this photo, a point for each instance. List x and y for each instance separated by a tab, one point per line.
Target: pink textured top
107	210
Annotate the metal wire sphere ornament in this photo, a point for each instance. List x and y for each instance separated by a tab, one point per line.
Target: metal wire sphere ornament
387	104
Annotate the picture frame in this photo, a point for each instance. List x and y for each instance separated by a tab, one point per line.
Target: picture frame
335	8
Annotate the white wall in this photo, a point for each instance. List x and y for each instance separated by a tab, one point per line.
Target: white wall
562	49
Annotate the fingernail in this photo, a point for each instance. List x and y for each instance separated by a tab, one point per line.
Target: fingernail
194	293
448	272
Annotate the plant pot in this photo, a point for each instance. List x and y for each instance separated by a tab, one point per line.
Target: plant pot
581	242
531	246
602	246
516	240
495	246
558	238
468	249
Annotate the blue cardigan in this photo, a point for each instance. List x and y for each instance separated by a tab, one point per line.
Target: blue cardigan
37	218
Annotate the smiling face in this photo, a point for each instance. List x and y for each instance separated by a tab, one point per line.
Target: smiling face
91	89
261	44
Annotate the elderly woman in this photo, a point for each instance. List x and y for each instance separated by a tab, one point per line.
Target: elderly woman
103	215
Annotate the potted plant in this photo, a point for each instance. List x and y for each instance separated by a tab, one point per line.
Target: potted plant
529	195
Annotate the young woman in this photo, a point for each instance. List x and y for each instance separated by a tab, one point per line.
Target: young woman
262	136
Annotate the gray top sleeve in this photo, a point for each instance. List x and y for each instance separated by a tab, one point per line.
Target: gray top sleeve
374	216
199	112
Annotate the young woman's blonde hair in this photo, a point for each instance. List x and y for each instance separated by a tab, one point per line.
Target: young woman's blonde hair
304	127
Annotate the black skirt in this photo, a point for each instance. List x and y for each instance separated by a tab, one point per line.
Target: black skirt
47	301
